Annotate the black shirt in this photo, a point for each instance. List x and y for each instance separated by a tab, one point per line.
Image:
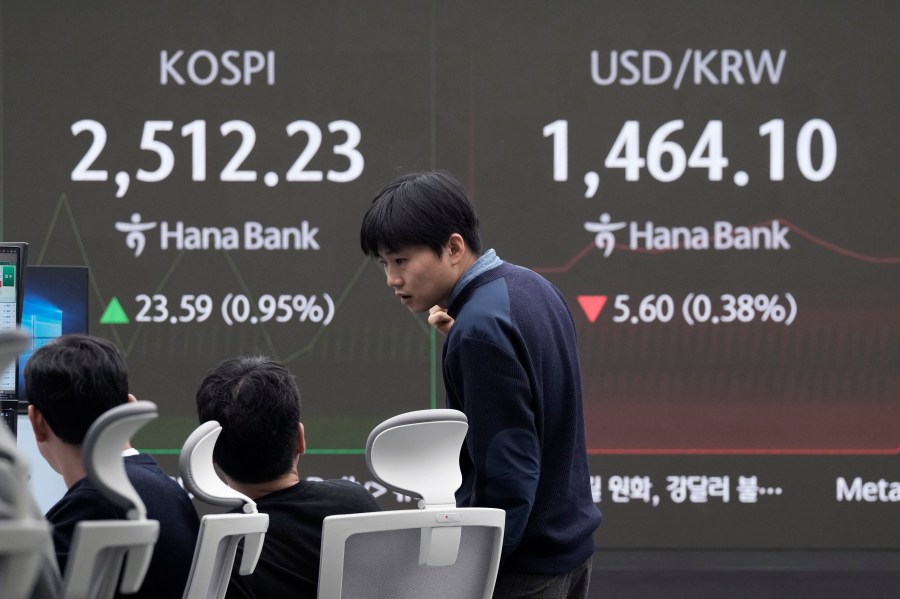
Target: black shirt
165	501
289	563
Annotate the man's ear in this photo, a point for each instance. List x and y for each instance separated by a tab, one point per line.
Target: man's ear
456	247
38	424
301	439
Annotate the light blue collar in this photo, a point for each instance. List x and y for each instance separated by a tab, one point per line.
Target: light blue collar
486	262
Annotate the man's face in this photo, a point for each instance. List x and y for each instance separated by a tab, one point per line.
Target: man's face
419	277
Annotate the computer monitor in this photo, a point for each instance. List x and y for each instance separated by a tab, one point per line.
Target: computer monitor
55	303
13	258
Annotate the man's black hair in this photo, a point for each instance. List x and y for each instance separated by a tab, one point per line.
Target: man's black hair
72	380
419	209
257	402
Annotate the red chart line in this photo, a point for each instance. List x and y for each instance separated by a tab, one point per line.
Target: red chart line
568	265
838	249
800	231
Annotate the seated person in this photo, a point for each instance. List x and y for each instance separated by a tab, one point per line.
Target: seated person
70	382
257	402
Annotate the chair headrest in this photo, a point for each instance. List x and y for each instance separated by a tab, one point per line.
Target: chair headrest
13	475
101	453
14	469
9	450
417	453
12	343
199	474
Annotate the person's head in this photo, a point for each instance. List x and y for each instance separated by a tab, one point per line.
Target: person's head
256	401
419	209
72	380
423	229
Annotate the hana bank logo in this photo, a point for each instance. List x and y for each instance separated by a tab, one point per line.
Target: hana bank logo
720	236
605	238
134	230
250	236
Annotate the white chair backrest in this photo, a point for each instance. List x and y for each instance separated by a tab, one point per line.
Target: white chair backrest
102	454
14	491
26	545
99	548
430	471
438	551
199	474
219	533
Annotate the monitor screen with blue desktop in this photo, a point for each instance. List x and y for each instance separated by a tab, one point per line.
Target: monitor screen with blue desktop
55	303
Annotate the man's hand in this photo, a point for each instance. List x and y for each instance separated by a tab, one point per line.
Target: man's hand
439	319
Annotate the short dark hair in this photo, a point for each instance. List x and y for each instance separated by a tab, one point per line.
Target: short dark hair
416	209
72	380
257	402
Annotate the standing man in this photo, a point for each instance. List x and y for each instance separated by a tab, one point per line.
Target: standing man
70	382
510	363
257	403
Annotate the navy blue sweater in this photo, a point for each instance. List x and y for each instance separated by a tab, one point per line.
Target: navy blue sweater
510	363
165	501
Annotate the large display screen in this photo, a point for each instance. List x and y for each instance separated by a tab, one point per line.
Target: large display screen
711	184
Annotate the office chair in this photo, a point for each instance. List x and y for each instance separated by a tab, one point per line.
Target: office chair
100	547
26	544
438	551
219	533
27	562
